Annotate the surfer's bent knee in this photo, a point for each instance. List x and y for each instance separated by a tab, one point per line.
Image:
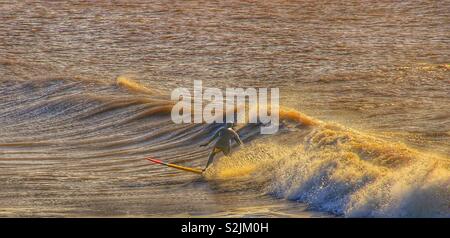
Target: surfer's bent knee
226	151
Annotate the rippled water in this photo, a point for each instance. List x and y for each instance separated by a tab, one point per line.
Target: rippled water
367	84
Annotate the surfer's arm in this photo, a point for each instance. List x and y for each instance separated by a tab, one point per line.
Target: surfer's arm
213	138
237	138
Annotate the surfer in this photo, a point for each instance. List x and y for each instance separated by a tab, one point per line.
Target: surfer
225	134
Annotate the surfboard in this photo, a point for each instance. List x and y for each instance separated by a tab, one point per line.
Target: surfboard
175	166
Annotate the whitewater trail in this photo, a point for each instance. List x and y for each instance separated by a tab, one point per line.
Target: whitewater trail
342	171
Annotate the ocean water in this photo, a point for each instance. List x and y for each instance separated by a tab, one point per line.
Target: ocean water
85	98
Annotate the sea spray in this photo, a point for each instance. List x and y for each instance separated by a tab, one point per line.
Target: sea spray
344	172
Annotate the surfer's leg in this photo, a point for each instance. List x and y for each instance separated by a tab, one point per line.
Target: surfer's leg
211	156
226	151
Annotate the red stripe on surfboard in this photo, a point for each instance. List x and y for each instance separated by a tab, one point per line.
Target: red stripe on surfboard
155	161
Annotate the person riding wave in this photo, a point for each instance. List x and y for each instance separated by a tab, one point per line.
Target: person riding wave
225	134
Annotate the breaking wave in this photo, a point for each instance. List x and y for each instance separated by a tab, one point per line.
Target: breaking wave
344	172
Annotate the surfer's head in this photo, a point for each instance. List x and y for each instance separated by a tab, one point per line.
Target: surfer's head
229	125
